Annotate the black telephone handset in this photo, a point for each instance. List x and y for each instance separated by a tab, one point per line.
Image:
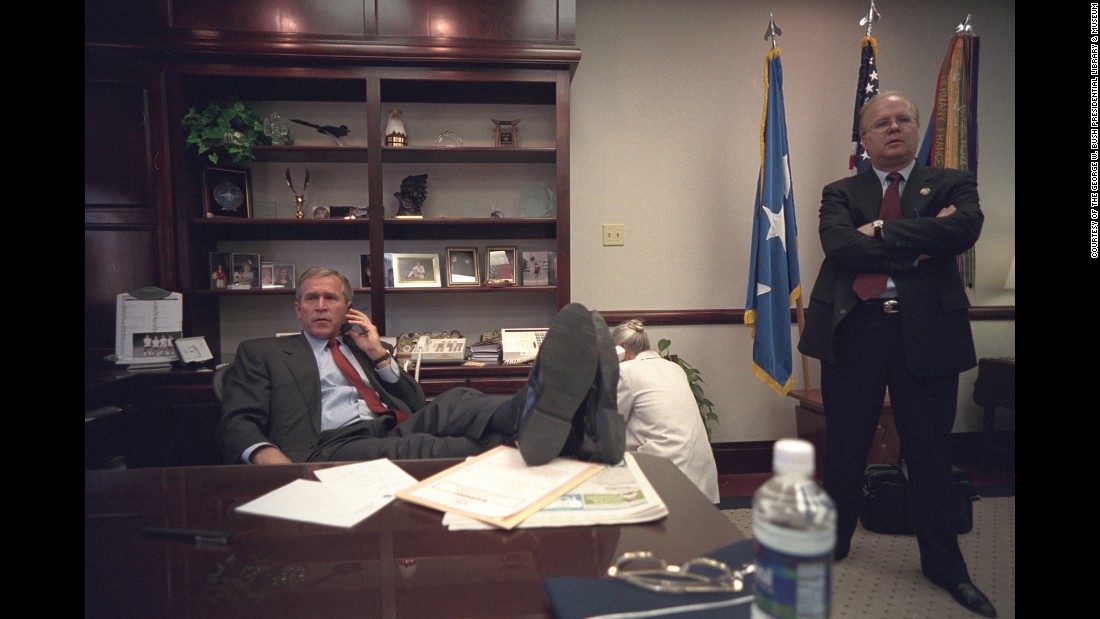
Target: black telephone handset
348	327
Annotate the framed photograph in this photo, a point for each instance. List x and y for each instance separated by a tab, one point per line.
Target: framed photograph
267	275
221	269
284	274
416	271
193	349
536	268
552	268
227	192
462	267
245	271
500	265
389	269
364	270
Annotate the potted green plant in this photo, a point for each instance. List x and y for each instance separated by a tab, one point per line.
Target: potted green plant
225	130
695	380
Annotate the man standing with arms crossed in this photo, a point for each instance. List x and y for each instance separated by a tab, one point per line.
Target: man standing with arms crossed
889	310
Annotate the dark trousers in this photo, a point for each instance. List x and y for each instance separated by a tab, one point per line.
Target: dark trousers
458	423
870	358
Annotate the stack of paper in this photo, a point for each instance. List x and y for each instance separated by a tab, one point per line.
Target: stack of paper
498	487
486	352
618	494
343	498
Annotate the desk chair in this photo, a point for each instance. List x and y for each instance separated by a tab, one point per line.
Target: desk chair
994	387
219	380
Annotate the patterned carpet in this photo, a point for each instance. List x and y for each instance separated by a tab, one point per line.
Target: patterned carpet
881	577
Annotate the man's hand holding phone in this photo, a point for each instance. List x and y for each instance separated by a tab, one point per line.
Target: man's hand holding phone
369	341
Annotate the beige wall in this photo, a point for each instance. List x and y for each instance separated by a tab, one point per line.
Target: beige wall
666	107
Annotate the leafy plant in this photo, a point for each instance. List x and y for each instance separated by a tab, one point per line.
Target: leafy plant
695	381
225	129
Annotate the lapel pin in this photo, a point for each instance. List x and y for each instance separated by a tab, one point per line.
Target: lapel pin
925	191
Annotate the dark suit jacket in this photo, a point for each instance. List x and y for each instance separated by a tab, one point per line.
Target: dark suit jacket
935	322
273	394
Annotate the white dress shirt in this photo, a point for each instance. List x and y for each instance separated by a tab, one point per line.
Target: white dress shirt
662	418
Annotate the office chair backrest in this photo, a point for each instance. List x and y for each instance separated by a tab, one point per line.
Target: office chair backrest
219	380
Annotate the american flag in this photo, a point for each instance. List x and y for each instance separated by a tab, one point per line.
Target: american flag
866	88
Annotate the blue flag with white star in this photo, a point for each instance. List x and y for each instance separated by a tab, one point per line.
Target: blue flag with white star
866	87
774	283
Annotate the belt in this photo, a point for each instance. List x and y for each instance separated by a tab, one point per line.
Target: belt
888	306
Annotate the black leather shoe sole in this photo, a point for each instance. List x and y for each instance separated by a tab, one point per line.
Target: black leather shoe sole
599	432
560	380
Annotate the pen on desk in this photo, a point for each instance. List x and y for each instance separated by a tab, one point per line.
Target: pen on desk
191	536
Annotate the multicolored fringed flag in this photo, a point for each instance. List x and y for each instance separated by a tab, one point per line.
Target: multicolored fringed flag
866	87
951	138
773	265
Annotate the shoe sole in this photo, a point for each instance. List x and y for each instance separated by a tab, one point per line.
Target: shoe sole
603	433
568	349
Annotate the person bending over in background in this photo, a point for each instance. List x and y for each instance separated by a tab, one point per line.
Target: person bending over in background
662	417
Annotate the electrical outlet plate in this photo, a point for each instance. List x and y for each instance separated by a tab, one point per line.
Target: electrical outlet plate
614	234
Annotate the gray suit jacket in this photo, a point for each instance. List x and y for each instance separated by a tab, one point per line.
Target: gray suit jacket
273	394
935	322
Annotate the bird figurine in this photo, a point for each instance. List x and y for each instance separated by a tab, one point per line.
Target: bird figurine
333	132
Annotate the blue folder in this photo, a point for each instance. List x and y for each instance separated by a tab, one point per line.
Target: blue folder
575	597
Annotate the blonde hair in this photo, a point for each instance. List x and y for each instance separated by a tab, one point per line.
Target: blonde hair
631	335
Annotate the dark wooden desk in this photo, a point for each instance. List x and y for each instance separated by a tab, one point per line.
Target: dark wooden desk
400	562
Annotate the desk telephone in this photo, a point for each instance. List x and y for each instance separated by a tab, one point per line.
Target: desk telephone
520	345
439	350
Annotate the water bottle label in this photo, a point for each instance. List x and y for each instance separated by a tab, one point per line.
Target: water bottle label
790	586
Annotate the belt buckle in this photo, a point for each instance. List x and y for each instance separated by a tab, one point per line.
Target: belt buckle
891	306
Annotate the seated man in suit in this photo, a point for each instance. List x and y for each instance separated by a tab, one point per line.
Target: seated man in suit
333	394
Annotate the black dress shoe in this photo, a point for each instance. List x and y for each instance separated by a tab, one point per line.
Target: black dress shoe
599	431
974	600
841	551
564	371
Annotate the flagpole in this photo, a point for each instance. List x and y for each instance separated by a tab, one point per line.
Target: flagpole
799	313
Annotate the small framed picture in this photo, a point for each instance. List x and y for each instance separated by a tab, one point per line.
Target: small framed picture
536	268
389	269
246	271
500	265
267	275
552	268
193	349
416	271
284	274
221	269
364	270
462	267
227	192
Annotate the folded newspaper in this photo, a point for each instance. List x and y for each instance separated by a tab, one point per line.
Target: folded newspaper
618	494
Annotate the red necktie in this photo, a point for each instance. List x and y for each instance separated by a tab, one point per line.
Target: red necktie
871	285
369	395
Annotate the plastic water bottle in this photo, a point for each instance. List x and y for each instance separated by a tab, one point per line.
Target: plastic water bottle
794	527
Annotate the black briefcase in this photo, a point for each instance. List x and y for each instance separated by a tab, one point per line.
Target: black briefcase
886	500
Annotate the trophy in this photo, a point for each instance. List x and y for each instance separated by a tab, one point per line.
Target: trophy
507	132
299	198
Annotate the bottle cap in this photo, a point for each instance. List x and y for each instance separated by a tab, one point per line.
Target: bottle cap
792	455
